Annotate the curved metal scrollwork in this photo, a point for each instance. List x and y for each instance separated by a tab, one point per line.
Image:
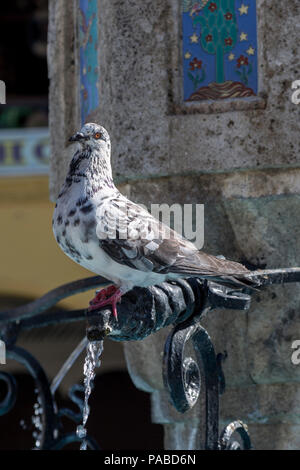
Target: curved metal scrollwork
49	421
50	432
227	441
181	375
9	400
77	400
184	377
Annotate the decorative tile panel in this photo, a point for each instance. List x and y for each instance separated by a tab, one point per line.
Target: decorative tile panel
219	49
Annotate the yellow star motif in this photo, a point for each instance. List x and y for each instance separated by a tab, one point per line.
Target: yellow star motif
194	38
187	55
243	37
243	9
250	51
231	56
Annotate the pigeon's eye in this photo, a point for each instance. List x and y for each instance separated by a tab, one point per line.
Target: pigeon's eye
97	135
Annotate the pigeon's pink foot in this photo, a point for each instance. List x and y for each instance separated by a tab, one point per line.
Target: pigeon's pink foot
109	296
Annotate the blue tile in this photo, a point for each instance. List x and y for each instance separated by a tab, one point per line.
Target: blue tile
219	49
88	40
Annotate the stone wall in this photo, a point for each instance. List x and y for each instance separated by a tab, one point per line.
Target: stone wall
241	163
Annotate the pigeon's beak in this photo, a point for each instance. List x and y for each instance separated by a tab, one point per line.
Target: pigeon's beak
77	137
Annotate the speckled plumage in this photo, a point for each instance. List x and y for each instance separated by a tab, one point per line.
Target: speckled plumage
89	204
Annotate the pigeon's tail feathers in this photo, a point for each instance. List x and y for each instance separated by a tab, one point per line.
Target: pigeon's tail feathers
217	269
238	281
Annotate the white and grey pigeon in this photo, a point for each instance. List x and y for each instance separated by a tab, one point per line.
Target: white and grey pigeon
102	230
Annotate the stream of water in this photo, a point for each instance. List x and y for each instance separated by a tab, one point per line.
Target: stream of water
37	421
92	360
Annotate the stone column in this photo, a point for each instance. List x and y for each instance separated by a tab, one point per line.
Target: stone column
240	161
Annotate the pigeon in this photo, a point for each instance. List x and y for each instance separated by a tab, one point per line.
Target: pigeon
106	233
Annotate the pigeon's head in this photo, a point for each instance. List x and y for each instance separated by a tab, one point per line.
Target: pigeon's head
92	136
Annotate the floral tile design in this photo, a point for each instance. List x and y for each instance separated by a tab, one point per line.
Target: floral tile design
219	49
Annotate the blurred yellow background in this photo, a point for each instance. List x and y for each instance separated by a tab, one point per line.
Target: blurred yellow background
31	262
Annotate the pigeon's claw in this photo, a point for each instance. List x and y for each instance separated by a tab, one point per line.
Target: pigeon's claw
109	296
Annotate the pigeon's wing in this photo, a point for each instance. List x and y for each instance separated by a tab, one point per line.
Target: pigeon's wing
133	237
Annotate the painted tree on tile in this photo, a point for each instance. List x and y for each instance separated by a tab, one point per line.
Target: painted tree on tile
219	31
